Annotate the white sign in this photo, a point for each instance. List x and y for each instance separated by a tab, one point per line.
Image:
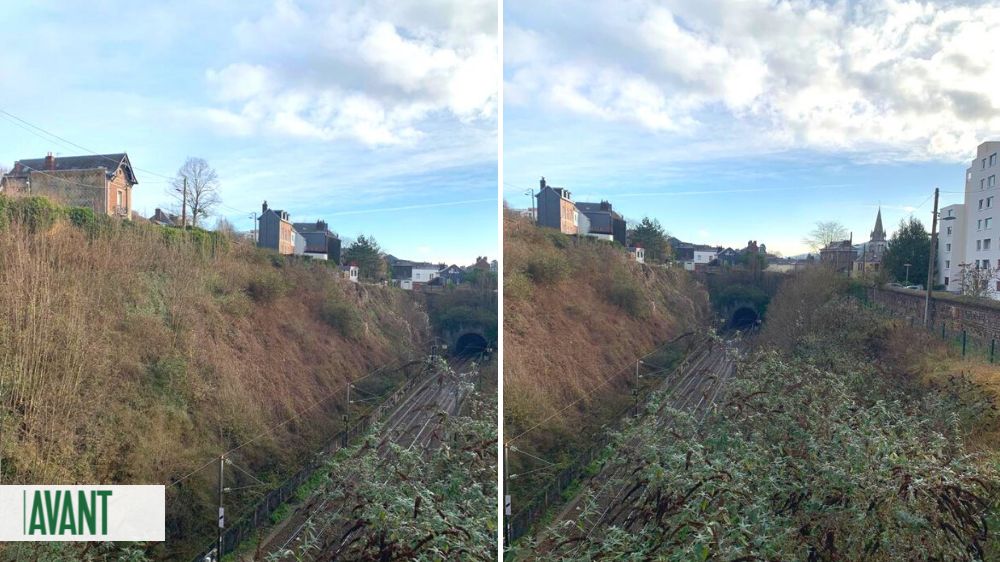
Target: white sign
82	513
506	505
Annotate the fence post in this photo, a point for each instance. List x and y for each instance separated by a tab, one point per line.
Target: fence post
993	349
942	329
963	342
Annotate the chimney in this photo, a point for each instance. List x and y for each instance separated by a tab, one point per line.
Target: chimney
263	208
50	162
541	184
320	225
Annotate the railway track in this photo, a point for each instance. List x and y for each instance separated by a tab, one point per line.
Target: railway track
413	424
694	388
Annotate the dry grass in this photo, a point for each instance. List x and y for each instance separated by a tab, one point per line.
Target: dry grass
128	359
590	313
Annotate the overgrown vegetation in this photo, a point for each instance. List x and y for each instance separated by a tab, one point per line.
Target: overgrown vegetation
577	313
829	445
170	347
408	504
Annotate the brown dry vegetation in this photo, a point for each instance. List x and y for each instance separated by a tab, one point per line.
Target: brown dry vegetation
128	356
575	312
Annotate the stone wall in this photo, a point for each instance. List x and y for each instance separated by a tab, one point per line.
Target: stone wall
980	320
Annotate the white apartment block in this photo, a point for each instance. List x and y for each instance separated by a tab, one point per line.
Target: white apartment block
972	238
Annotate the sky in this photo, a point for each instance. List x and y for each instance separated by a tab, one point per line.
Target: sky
379	117
732	121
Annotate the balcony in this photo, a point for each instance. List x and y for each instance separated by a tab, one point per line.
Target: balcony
120	211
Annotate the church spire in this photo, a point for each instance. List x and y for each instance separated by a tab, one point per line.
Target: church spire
878	235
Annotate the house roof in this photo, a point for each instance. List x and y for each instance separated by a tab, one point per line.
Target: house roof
311	227
111	162
417	264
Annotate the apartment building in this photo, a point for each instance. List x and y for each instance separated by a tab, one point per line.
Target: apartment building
970	232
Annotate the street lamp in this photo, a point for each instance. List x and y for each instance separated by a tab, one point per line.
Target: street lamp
531	194
907	266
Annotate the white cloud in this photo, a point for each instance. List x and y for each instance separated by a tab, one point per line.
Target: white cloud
379	73
915	79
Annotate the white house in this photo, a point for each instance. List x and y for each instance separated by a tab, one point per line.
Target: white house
704	254
638	253
350	272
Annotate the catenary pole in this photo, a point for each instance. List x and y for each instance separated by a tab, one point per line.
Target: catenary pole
930	264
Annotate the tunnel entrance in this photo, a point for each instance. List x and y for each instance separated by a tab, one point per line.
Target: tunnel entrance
470	344
743	318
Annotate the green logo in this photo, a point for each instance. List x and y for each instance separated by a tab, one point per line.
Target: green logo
56	512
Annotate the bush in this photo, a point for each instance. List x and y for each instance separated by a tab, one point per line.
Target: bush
36	213
517	285
265	286
547	267
342	316
623	291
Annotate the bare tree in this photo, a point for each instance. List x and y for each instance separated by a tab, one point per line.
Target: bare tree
223	226
202	189
978	282
825	233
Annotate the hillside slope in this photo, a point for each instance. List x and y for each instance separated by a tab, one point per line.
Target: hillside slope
576	311
130	354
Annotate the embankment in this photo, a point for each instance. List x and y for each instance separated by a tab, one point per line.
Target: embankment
576	312
131	353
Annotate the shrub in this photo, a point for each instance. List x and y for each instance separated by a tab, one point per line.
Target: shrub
517	285
547	267
342	316
265	286
36	213
623	291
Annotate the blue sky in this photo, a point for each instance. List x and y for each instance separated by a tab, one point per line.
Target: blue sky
752	120
380	117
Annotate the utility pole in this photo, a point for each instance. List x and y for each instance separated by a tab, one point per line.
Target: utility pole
184	206
253	215
930	264
222	510
506	498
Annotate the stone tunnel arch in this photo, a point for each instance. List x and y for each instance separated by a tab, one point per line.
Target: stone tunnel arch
468	344
743	318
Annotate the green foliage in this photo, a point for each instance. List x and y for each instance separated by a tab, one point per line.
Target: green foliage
367	254
410	505
339	314
547	266
517	285
623	290
265	285
36	213
801	463
651	236
910	244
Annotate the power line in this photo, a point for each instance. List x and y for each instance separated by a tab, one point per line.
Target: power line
71	143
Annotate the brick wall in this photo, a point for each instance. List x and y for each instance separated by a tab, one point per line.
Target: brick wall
980	320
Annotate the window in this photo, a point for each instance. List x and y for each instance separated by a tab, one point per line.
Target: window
947	247
979	247
993	159
979	224
987	223
121	197
947	264
982	183
984	163
945	280
986	245
949	231
980	204
977	264
992	181
989	202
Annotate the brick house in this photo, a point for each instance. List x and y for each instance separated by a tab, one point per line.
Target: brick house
557	210
276	231
102	182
